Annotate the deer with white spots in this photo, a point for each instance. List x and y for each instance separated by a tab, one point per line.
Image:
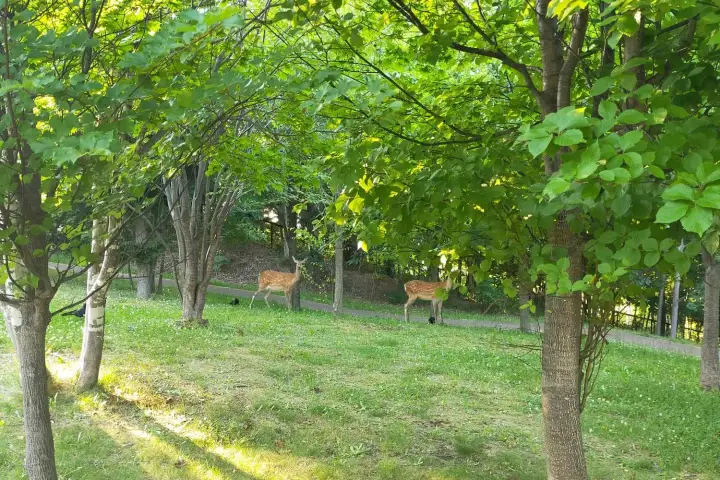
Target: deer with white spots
271	281
417	289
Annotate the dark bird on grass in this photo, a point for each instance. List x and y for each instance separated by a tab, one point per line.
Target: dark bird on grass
80	312
431	320
234	302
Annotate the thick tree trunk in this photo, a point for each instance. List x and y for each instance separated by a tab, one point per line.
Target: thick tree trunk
660	325
710	362
193	303
39	445
145	278
339	264
675	307
198	209
561	371
434	273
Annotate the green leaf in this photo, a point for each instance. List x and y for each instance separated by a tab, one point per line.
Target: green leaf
634	162
569	137
630	139
672	212
589	161
556	186
356	205
608	237
713	176
337	4
539	145
656	172
601	86
631	117
607	175
607	109
650	244
652	258
604	268
621	175
666	244
712	242
679	191
697	220
710	198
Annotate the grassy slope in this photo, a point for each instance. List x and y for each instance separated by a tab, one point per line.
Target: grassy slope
269	394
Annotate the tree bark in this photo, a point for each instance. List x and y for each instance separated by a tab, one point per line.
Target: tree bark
145	274
98	284
290	237
524	298
161	269
675	306
660	325
339	264
39	444
561	370
198	207
709	361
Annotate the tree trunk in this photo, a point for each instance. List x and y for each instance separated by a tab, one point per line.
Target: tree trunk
198	209
434	273
339	264
561	370
98	284
660	325
144	276
161	268
30	336
291	248
193	303
675	307
524	298
710	362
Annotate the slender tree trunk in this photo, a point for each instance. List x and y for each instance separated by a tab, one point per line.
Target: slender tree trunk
161	268
291	248
39	445
339	264
561	370
675	307
98	285
434	273
710	362
144	271
524	298
660	325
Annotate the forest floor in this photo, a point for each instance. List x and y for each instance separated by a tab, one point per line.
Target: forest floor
270	394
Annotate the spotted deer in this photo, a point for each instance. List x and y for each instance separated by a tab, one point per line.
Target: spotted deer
271	281
426	291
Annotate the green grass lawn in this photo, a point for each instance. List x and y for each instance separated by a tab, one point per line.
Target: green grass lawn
268	394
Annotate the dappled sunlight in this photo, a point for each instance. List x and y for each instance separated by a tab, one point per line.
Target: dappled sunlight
169	438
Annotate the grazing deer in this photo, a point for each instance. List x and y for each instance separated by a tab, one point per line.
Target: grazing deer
426	291
272	281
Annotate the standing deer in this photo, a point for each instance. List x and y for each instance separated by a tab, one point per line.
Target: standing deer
272	281
426	291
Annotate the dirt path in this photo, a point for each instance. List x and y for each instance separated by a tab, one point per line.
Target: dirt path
617	335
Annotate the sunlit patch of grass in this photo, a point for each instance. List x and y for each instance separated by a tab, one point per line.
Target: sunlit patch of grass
272	394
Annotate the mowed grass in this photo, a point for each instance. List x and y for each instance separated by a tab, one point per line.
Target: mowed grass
268	394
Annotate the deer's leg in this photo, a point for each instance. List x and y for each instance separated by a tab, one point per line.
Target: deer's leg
253	297
439	307
267	294
288	298
410	301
